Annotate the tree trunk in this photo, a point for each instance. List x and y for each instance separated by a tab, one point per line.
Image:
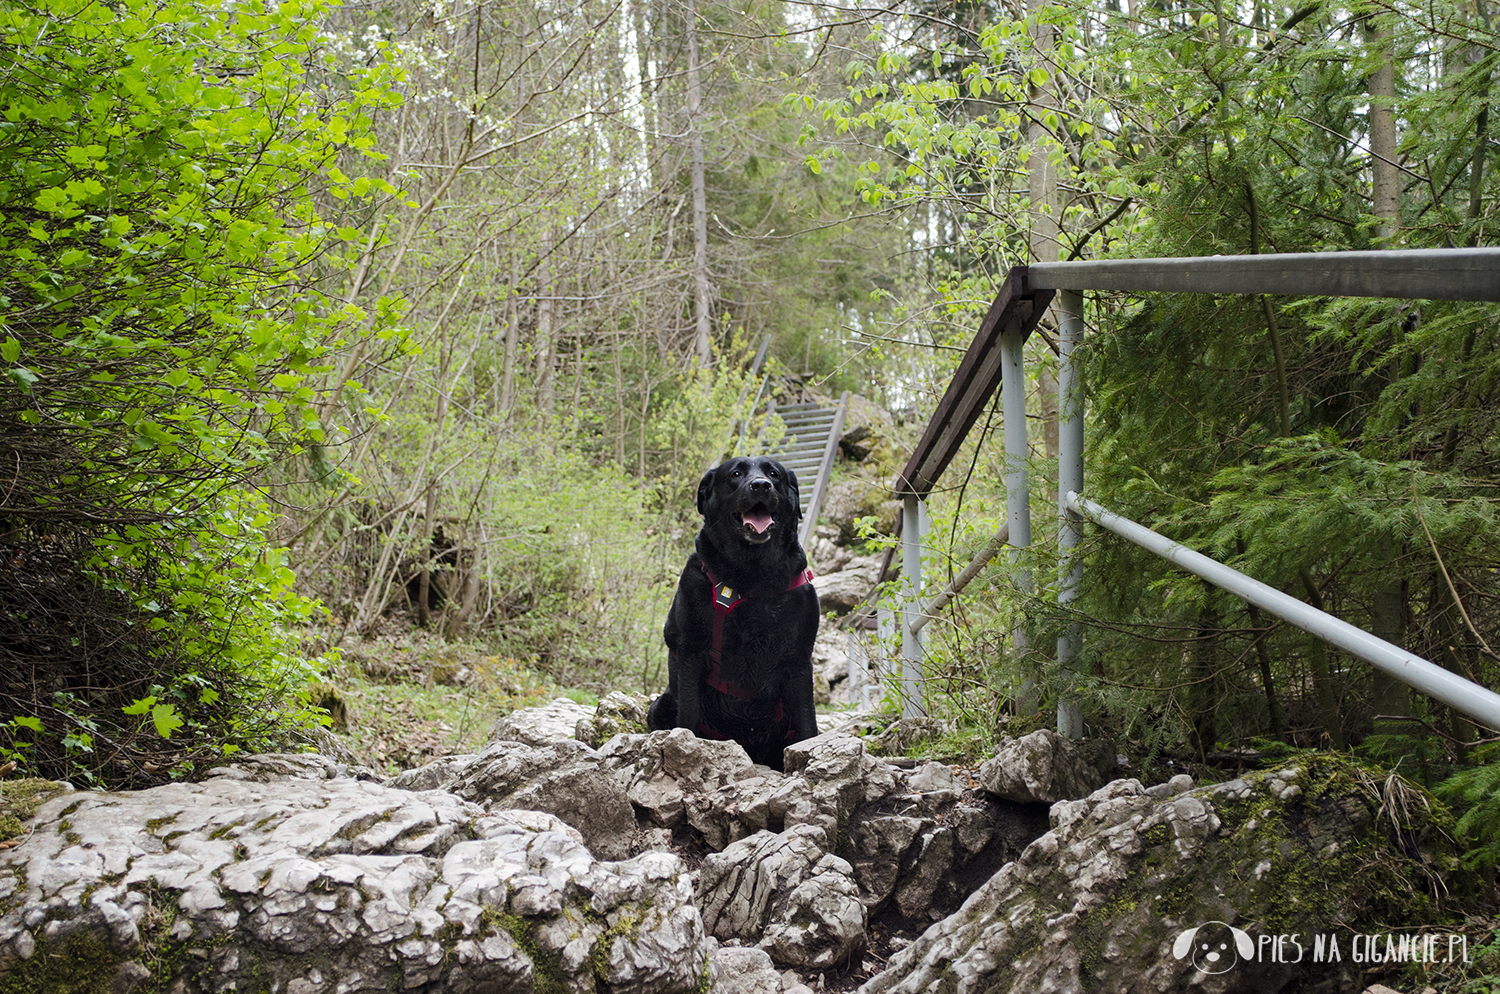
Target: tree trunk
1481	134
1328	704
424	581
1390	696
546	344
1387	178
1045	213
702	338
507	396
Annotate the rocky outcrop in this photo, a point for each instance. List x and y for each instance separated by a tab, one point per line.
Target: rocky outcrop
1102	899
540	725
869	429
313	885
841	591
617	714
787	892
1044	766
563	777
678	780
486	872
743	970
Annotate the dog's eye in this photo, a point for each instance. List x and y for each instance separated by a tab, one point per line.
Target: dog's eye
772	474
735	475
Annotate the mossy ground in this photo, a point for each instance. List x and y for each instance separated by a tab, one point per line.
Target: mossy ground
1327	860
19	800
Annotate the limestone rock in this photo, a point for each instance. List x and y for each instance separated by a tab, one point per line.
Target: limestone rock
1044	766
541	725
905	735
834	774
869	429
441	773
841	591
563	777
850	500
742	970
1100	901
272	766
786	892
826	557
316	886
617	713
677	778
920	854
831	662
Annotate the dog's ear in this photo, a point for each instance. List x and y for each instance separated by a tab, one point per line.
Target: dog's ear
1243	943
706	490
1184	943
792	493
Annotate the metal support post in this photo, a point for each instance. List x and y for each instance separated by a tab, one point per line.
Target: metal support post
913	531
1069	480
1017	487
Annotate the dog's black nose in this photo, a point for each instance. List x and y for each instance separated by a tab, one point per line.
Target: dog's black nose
761	485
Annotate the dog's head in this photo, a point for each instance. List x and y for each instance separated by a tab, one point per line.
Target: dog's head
1215	946
752	497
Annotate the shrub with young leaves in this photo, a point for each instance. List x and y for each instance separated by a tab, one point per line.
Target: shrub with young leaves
160	335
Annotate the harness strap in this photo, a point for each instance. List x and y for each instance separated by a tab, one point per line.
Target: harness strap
725	600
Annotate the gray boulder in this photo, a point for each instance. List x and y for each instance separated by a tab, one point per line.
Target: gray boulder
541	725
617	714
828	777
440	774
316	886
1101	901
272	766
565	778
841	591
850	500
869	429
1044	766
742	970
786	892
678	779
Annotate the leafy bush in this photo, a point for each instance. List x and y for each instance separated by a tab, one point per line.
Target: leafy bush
160	338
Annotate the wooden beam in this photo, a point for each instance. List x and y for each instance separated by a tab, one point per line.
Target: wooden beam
974	383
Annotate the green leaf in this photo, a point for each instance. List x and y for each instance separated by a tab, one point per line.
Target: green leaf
27	721
166	719
10	349
139	707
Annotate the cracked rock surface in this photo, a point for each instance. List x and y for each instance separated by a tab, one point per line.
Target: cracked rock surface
1098	902
489	873
313	886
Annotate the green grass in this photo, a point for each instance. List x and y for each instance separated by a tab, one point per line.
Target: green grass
405	703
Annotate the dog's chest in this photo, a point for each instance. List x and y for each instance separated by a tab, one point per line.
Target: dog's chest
760	638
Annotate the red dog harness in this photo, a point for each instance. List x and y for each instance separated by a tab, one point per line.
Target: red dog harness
726	600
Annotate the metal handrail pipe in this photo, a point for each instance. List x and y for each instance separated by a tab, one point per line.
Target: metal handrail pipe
1406	274
1479	703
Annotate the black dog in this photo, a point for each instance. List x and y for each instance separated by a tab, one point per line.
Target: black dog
741	629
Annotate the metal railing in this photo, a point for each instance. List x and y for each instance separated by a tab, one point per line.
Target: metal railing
994	359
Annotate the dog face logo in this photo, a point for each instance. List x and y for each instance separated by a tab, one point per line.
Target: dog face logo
1216	947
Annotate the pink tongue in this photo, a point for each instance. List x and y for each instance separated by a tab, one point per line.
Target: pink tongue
760	522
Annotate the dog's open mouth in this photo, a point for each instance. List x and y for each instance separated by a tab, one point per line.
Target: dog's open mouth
758	519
